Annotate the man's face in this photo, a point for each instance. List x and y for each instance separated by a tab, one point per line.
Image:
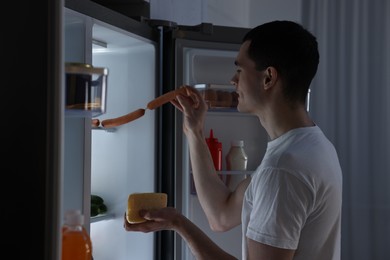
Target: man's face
248	81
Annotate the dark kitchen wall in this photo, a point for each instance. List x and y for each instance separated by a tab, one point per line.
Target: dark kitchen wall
244	13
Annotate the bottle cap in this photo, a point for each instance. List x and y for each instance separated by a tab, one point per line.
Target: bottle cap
239	143
215	148
74	217
211	138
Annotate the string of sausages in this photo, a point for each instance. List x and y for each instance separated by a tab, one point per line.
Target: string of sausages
127	118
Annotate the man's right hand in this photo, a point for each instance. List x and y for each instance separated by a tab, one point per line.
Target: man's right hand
194	108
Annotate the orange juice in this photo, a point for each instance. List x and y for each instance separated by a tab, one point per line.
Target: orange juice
76	243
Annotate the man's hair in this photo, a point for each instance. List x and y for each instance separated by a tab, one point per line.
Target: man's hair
291	50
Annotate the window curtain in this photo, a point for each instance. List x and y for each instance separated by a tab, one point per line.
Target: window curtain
350	101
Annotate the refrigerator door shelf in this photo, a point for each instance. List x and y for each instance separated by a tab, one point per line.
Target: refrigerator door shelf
110	130
232	172
229	178
232	178
235	172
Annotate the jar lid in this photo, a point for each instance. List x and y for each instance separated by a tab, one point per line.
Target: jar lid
239	143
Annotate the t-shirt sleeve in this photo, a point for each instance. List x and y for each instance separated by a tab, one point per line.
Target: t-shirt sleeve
281	204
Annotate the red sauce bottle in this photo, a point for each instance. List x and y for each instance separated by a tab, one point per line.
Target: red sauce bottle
215	148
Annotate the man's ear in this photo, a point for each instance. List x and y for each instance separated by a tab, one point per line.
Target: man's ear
270	77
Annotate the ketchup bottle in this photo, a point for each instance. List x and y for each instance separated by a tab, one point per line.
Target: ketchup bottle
215	148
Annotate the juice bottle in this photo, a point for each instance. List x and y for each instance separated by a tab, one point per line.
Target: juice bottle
76	243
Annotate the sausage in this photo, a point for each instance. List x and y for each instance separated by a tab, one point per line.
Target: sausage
113	122
95	122
165	98
159	101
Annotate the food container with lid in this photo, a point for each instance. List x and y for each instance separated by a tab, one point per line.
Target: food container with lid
86	89
219	97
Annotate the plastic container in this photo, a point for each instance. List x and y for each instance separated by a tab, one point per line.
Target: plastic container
86	89
215	148
76	242
236	158
219	97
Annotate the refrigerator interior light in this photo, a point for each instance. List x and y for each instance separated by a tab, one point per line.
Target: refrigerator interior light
98	46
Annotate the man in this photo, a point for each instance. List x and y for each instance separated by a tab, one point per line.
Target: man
291	206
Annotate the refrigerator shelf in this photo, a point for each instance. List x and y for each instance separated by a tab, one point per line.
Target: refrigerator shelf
234	172
102	217
219	96
113	129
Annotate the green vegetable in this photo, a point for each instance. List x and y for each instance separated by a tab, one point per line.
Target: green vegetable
95	199
94	210
102	209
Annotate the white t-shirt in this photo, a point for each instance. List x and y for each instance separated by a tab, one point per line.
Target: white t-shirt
295	195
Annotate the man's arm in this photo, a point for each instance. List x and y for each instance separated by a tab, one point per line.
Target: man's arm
202	247
221	206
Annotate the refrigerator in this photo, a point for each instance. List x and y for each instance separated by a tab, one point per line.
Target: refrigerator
144	59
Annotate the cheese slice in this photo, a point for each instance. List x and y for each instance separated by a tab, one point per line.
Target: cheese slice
147	201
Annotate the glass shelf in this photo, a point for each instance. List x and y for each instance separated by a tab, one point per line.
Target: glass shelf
234	172
225	172
103	128
102	217
224	175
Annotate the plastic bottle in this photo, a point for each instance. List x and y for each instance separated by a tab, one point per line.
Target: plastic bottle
236	158
215	148
76	242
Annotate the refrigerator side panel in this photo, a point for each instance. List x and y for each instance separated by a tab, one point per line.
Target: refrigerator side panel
123	160
77	129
